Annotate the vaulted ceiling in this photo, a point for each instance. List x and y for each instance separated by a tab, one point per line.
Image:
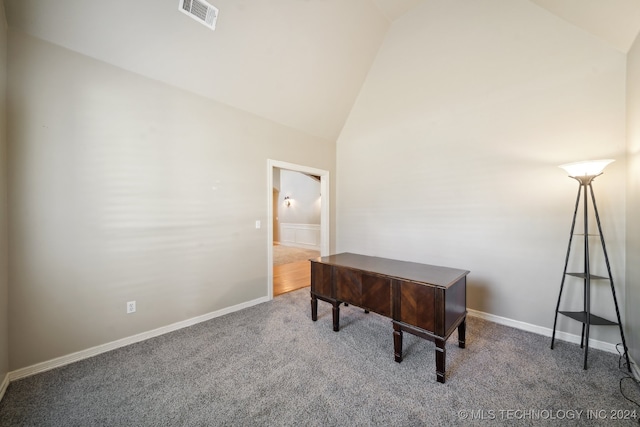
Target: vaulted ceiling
300	63
615	21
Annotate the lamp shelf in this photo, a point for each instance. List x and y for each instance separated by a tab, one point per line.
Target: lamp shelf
581	316
584	276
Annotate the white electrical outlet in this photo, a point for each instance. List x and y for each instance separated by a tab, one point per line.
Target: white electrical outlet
258	225
131	307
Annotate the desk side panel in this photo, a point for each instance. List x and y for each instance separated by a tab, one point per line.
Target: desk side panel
455	303
321	279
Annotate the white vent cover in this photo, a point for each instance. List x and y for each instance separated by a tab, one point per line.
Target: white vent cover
200	10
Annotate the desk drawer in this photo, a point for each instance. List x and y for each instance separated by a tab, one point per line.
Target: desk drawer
348	286
417	305
367	291
376	294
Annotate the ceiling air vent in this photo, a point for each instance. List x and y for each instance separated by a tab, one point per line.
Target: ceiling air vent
200	10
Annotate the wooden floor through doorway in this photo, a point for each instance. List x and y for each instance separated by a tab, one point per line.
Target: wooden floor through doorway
291	268
289	277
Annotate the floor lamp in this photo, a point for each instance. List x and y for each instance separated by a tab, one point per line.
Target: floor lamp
585	173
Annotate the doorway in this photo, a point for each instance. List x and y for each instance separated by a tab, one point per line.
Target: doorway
273	166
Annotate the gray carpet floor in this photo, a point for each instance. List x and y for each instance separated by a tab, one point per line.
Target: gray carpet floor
271	365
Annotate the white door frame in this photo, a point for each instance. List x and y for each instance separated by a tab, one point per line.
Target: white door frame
324	211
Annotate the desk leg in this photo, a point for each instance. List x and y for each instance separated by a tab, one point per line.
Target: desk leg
462	330
336	316
314	308
441	355
397	342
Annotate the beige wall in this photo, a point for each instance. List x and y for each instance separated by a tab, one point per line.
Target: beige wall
450	153
632	326
123	188
4	277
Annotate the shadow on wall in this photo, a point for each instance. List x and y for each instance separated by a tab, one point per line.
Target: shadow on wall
478	294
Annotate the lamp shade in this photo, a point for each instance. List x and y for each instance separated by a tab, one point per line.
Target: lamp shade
586	168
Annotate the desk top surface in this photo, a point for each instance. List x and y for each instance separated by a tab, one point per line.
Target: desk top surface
411	271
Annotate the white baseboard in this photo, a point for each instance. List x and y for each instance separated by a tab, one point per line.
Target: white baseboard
634	369
103	348
3	386
564	336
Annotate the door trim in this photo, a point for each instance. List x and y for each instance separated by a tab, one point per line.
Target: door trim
324	211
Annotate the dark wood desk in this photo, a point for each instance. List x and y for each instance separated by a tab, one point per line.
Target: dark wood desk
425	300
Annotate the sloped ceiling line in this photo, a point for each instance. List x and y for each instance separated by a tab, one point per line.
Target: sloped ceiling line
297	63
